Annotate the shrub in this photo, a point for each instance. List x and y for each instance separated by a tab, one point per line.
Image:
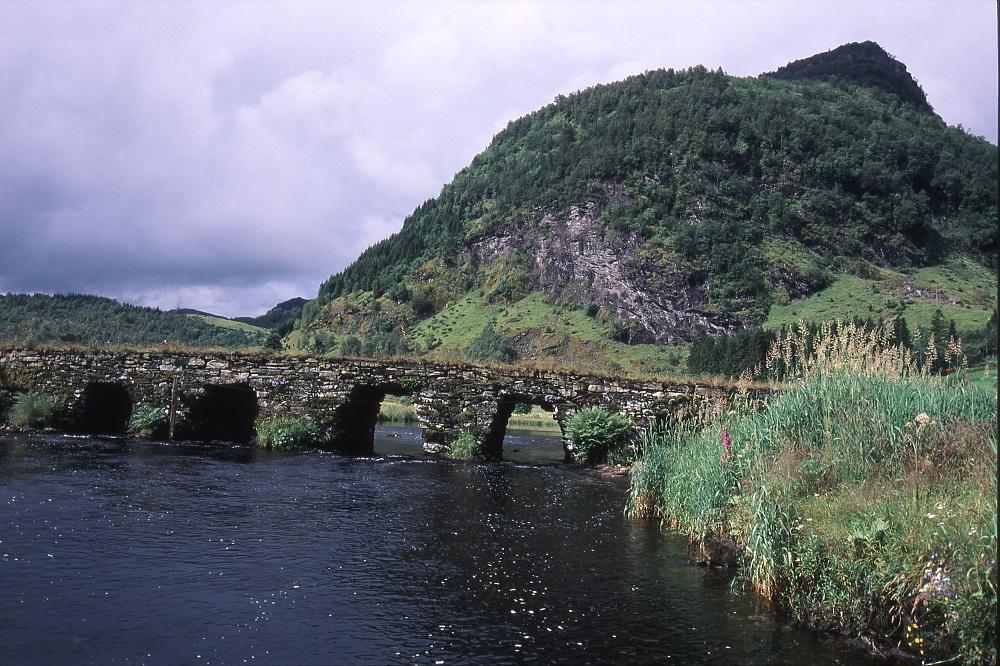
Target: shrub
595	433
35	410
148	421
351	346
490	346
463	448
286	432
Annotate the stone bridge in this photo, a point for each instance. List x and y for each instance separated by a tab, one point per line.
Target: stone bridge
217	396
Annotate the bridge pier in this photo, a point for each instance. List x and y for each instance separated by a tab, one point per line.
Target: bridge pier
485	418
491	439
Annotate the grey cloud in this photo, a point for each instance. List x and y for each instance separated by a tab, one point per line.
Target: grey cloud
227	156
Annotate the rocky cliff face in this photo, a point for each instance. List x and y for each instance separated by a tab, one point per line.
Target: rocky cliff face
573	258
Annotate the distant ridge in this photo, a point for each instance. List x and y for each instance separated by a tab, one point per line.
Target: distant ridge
280	317
96	320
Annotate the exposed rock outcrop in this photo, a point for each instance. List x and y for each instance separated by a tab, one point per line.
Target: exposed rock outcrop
573	258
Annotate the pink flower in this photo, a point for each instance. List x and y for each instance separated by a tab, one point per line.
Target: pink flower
727	446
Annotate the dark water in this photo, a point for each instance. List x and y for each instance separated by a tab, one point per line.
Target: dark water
133	552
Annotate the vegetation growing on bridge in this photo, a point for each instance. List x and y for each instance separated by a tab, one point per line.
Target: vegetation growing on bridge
865	497
599	436
149	422
287	432
463	448
35	410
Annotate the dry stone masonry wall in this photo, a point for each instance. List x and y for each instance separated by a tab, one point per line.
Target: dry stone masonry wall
342	396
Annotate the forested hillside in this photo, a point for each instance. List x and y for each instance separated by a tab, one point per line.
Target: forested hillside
681	205
279	318
97	321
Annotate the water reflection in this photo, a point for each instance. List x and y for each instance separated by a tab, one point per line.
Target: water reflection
533	447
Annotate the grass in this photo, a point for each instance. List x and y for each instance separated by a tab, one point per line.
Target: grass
395	411
543	332
959	279
536	419
920	313
971	285
846	297
865	503
286	432
987	376
230	324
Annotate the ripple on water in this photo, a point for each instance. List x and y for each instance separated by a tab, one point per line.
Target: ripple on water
124	551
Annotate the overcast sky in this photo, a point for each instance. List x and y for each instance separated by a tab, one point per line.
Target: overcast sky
229	156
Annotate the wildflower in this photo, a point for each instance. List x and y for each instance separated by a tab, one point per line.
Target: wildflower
727	446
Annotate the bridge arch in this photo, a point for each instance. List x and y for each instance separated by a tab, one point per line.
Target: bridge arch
357	416
103	408
224	412
491	443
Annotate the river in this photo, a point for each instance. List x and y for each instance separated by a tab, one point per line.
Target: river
132	552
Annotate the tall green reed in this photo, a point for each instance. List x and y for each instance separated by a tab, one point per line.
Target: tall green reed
834	491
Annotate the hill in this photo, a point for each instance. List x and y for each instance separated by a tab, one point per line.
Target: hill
865	64
279	318
95	321
679	205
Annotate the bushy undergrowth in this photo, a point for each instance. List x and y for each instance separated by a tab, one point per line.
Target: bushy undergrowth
6	399
599	436
864	500
148	421
286	432
35	410
463	448
489	346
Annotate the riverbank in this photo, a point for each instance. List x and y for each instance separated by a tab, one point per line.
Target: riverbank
863	504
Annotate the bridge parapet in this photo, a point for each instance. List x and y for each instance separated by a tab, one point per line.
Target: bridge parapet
342	396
